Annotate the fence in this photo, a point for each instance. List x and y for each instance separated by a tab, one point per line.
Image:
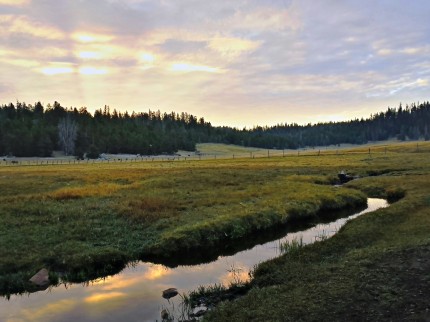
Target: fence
198	157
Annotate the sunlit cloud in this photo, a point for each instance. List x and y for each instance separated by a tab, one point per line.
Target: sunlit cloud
89	55
384	52
91	37
92	71
57	70
119	281
147	58
157	271
20	62
275	60
147	61
45	312
416	50
122	282
186	68
15	3
4	52
422	82
412	51
102	297
105	51
11	24
232	46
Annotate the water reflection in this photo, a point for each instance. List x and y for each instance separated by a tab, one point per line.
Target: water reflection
135	293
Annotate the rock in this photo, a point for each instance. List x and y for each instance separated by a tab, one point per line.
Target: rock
199	311
41	278
344	178
169	293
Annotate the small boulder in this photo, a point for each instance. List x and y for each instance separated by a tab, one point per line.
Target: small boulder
169	293
41	278
199	311
344	178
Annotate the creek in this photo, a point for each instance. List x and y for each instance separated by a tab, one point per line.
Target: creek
135	293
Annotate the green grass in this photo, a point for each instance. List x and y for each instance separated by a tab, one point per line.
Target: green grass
376	268
88	220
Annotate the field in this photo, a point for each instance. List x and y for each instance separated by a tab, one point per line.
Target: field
375	269
83	221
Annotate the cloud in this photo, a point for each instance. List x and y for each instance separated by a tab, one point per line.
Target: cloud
88	37
45	312
104	51
14	3
22	62
180	46
58	69
11	24
90	70
264	19
6	88
157	271
392	87
102	297
230	46
187	67
234	62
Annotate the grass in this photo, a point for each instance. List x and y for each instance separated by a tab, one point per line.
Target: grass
291	247
376	268
228	149
88	220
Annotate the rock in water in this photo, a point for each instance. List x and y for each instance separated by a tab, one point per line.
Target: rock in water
41	278
169	293
199	311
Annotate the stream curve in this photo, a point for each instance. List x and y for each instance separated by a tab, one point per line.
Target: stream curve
135	294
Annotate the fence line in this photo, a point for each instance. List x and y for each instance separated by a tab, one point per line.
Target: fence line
199	157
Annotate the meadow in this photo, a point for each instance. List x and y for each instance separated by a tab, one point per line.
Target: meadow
376	268
83	221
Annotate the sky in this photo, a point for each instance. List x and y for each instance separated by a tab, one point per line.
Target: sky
238	63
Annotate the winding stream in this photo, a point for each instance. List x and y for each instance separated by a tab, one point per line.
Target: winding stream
135	293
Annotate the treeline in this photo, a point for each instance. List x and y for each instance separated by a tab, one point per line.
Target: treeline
410	122
36	130
33	130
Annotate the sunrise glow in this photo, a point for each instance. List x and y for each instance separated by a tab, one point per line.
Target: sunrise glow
57	70
92	71
233	63
156	271
89	55
89	38
184	67
147	58
101	297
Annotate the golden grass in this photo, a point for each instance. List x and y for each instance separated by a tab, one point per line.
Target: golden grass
95	190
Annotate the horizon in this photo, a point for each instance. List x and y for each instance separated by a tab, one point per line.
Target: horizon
239	64
122	111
